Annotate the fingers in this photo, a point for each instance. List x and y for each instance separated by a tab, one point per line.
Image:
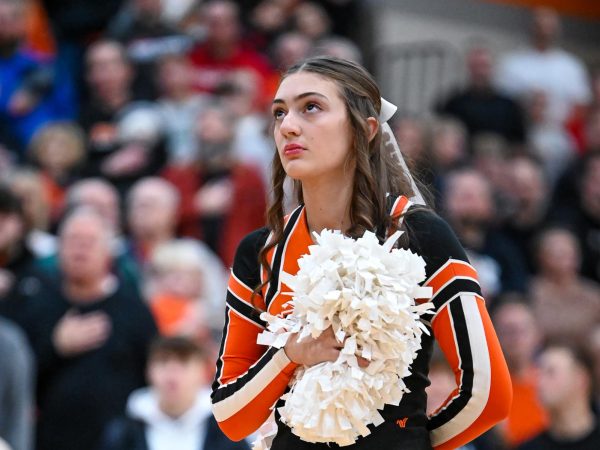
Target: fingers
76	334
362	362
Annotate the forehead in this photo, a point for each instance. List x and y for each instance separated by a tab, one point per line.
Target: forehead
302	82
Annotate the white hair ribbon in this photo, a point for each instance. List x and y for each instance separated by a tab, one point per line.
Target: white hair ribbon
387	111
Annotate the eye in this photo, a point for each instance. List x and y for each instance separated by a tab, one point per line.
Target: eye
278	114
312	107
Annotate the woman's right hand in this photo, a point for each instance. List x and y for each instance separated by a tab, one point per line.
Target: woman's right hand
312	351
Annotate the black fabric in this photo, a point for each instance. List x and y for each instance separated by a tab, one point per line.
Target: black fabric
546	441
466	365
77	396
244	309
486	111
129	434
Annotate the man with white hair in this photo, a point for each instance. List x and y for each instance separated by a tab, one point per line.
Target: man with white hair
89	335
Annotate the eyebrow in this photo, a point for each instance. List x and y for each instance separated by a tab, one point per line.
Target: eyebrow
301	96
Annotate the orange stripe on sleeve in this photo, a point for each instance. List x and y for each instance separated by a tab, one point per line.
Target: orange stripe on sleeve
453	268
500	393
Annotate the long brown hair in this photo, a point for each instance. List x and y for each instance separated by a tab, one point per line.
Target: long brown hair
376	173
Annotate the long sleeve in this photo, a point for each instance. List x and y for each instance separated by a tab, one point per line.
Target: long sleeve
250	378
463	329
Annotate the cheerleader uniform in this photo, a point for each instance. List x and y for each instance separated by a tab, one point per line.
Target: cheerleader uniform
251	378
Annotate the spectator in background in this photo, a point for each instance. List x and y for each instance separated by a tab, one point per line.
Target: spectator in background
412	134
339	47
566	390
530	196
147	37
447	151
109	77
76	23
312	21
548	142
580	211
520	339
252	144
185	289
491	158
16	260
180	107
469	208
175	412
479	106
102	197
559	77
16	387
289	49
223	51
140	148
32	94
58	150
222	198
152	216
268	20
566	305
125	138
89	334
28	186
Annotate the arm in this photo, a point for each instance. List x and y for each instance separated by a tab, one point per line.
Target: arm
250	378
465	333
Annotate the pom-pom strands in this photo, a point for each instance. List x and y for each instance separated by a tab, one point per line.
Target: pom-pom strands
366	292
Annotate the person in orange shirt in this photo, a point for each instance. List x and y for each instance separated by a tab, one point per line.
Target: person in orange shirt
185	289
520	338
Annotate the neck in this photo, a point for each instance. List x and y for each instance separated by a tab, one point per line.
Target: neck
179	94
223	50
327	203
571	421
150	240
83	291
176	410
518	368
115	100
562	279
541	45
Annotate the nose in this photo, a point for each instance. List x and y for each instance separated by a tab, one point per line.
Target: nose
289	125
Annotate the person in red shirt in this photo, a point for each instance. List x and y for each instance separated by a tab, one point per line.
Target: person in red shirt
223	51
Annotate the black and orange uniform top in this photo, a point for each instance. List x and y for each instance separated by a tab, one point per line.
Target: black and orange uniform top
251	378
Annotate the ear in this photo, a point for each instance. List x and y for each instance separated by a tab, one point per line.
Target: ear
373	126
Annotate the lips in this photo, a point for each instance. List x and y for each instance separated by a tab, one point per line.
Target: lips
293	149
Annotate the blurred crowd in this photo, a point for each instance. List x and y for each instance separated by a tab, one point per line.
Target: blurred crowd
134	155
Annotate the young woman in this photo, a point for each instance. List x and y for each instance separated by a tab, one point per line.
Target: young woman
329	140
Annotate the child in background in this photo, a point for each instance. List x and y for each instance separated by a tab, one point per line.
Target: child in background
175	411
185	289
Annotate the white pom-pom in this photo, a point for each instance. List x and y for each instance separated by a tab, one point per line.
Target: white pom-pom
366	292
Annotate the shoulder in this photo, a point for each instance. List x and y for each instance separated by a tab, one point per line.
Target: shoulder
431	234
246	264
253	242
12	338
122	433
430	237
